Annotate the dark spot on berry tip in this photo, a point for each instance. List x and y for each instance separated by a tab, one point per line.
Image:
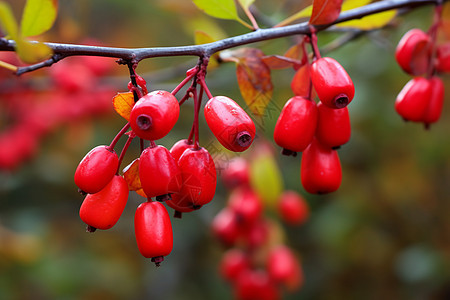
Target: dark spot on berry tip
83	193
90	229
162	198
244	139
144	122
157	260
178	214
341	101
336	147
288	152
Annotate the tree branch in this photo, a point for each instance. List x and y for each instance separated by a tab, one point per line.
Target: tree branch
205	50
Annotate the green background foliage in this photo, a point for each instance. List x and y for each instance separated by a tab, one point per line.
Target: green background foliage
383	235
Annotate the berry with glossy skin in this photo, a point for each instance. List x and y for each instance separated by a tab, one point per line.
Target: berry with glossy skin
412	101
102	210
153	231
333	85
233	263
284	268
296	125
159	173
436	101
179	147
320	169
96	169
246	204
154	115
229	123
199	179
413	52
333	126
293	208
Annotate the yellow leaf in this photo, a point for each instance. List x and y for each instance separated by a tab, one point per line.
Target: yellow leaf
123	103
38	16
32	52
369	22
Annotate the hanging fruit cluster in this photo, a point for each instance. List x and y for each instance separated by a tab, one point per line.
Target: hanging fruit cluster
317	129
419	55
257	262
184	177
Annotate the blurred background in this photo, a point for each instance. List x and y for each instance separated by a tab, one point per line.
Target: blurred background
385	234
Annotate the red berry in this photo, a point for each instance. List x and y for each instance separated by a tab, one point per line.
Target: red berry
413	52
293	208
229	123
436	101
255	285
333	85
333	126
179	147
159	173
246	204
442	63
96	169
320	169
154	115
233	263
257	233
284	268
225	227
237	173
102	210
296	125
412	101
153	231
198	173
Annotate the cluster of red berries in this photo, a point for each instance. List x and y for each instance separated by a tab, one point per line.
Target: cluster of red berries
184	177
33	109
317	129
257	262
418	54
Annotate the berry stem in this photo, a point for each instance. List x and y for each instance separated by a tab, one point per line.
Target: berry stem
196	119
132	69
314	45
119	135
205	87
124	150
183	83
433	36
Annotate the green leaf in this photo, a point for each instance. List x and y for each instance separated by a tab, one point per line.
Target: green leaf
38	16
246	3
369	22
266	177
7	20
222	9
32	52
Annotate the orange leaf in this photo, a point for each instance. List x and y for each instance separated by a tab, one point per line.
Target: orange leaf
295	52
301	82
123	103
254	79
280	62
131	175
325	11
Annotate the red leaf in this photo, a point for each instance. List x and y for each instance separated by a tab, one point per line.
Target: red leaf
254	79
325	11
